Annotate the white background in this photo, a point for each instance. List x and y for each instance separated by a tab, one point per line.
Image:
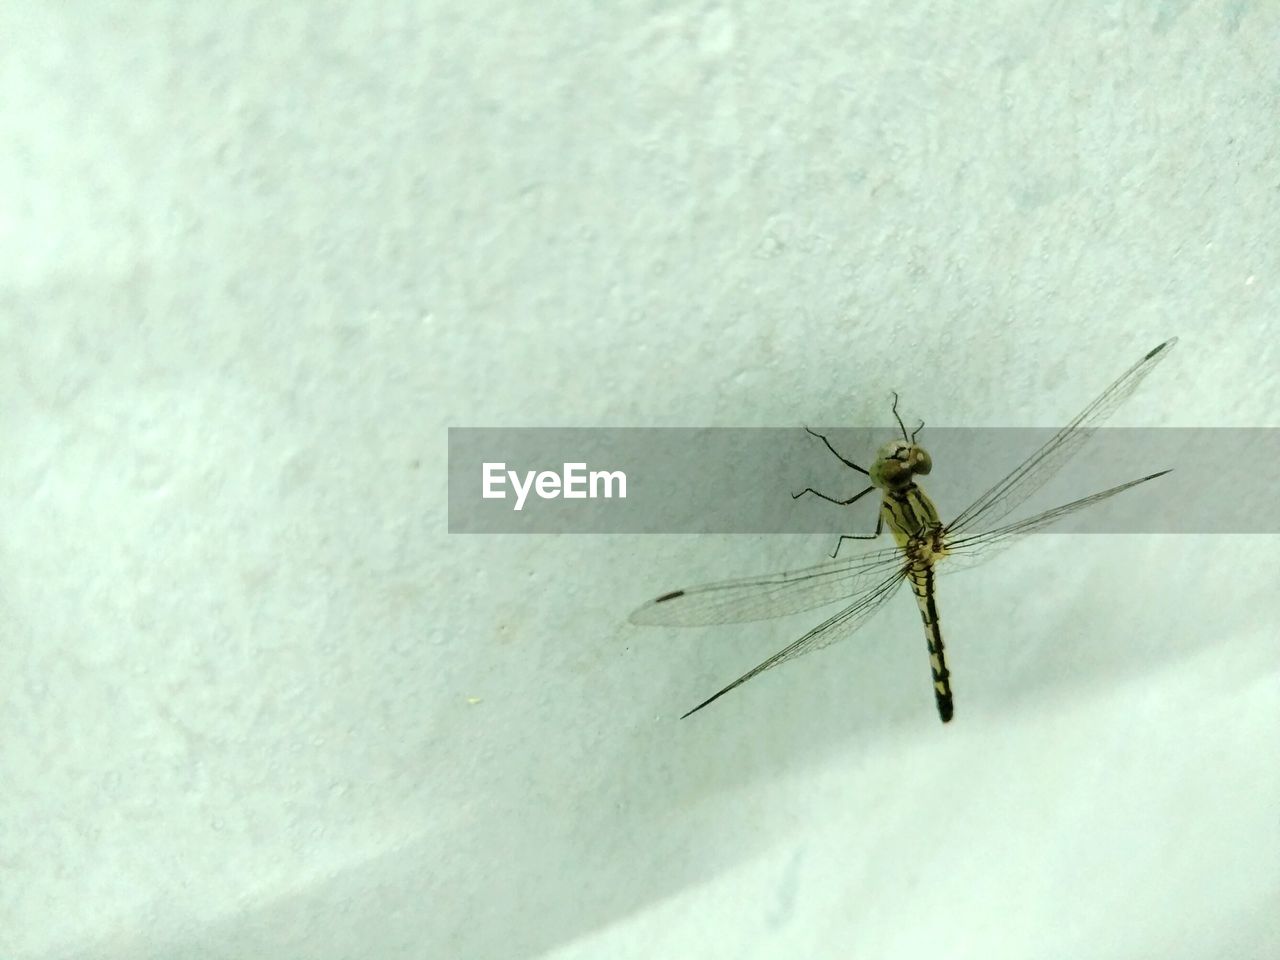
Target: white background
256	257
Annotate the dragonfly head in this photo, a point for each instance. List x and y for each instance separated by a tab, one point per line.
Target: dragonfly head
897	463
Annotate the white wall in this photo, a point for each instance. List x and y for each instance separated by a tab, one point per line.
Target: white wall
254	259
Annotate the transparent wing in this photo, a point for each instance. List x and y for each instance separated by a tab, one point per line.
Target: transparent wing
965	552
994	505
776	595
826	633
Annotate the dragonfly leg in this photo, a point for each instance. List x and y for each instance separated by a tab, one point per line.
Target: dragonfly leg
842	503
847	463
859	536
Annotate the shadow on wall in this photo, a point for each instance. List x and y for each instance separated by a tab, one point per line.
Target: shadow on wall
545	860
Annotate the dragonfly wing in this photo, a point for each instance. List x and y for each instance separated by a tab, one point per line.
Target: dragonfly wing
776	595
826	633
965	552
994	505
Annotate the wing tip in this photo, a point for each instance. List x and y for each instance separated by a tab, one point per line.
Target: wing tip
1164	346
644	615
710	700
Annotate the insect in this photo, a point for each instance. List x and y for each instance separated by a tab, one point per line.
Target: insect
866	582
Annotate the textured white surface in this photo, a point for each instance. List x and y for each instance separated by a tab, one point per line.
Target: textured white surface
256	259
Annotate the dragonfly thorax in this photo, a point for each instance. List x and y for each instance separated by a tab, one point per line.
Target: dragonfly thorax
896	463
928	547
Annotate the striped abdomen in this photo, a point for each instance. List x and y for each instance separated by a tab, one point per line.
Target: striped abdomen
921	577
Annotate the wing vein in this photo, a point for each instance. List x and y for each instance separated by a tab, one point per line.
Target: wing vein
824	634
1036	470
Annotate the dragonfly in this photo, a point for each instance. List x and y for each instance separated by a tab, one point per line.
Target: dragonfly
923	544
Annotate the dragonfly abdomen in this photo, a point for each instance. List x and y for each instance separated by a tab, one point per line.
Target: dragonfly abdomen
921	577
